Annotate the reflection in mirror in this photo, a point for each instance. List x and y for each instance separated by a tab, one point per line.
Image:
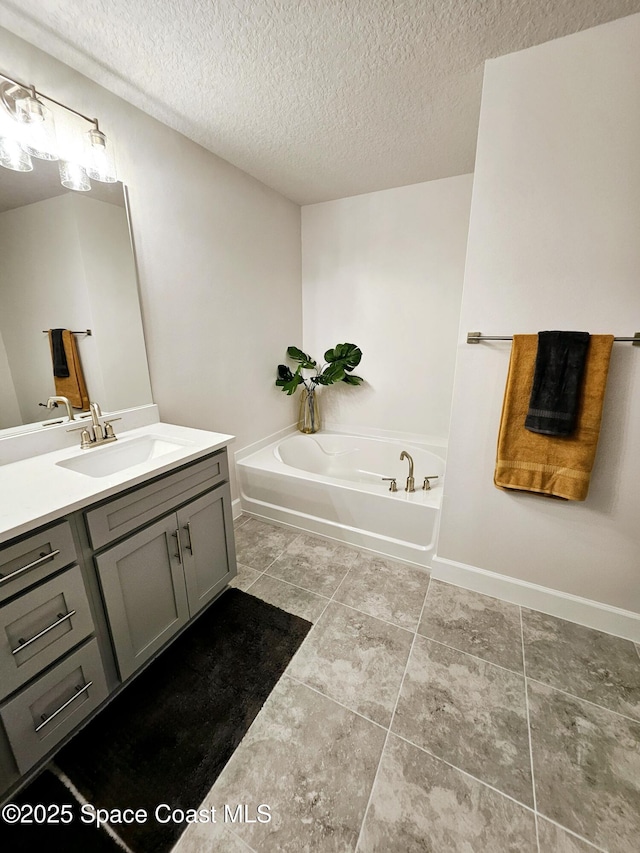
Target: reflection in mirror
66	262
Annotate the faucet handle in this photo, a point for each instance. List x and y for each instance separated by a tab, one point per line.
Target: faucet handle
427	485
108	429
85	437
393	486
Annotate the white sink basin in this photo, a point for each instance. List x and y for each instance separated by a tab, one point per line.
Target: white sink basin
122	454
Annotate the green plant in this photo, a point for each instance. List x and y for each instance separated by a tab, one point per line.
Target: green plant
340	361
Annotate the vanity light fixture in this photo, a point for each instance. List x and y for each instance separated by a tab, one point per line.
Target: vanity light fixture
27	129
40	133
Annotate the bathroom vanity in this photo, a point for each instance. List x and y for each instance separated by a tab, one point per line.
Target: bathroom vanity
105	556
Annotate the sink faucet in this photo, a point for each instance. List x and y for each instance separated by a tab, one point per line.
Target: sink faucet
53	401
99	433
410	487
96	414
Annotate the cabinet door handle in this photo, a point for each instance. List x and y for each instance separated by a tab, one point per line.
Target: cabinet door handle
177	537
79	692
23	645
42	559
187	527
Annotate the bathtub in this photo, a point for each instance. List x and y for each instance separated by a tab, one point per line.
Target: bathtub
331	483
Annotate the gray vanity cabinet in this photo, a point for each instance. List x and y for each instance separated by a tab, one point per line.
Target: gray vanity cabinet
114	581
143	589
203	526
156	579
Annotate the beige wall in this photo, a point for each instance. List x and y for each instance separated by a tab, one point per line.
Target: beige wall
553	244
218	256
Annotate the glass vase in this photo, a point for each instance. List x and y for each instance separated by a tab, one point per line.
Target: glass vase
309	419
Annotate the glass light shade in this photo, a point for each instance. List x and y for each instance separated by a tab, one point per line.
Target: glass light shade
39	128
73	176
13	156
100	162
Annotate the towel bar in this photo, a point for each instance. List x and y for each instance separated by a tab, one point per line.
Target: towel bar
83	332
476	337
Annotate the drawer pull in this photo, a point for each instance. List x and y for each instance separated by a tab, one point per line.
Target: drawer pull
59	621
187	527
42	559
79	692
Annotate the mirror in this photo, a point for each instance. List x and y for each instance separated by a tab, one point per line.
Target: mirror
66	262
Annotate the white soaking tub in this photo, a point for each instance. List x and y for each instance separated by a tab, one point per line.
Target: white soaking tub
331	483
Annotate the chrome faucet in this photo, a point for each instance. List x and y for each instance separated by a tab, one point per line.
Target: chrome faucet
53	401
411	483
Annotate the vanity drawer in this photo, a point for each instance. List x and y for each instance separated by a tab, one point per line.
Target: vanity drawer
146	503
40	626
42	714
34	558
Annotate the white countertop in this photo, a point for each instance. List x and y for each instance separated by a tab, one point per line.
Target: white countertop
37	490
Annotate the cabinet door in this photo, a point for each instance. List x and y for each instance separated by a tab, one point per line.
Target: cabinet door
144	593
209	555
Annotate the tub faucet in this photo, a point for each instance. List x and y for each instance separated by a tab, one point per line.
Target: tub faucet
410	487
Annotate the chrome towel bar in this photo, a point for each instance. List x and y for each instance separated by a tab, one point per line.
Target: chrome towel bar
476	337
82	332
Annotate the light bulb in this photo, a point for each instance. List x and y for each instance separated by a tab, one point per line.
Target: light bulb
73	176
100	160
39	128
13	156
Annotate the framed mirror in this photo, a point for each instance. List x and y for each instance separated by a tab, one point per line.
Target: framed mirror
66	261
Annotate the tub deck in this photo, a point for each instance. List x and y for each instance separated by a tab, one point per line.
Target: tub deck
332	484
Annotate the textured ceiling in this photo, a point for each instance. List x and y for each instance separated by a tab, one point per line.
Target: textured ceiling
319	99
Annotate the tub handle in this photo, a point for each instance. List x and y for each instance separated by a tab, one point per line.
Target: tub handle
427	485
393	487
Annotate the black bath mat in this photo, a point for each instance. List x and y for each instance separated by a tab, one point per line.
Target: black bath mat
45	826
166	738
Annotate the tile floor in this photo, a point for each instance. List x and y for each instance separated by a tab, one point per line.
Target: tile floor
419	716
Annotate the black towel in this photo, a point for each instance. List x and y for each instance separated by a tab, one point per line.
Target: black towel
60	366
557	382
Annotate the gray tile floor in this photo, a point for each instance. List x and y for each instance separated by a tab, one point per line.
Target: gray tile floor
419	716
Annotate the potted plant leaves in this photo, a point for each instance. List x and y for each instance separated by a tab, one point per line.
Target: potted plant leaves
339	365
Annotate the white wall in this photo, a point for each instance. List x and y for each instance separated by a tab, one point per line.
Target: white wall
553	243
9	408
110	281
218	256
384	270
42	286
67	263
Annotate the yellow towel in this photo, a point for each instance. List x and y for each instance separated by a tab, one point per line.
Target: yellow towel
73	386
555	466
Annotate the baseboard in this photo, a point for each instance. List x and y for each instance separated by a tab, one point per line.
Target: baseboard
593	614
